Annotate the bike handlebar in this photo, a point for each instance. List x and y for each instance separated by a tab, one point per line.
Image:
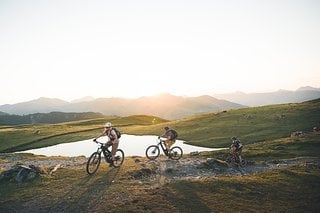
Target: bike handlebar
160	140
102	144
98	142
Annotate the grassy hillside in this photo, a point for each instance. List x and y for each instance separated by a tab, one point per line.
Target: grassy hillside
137	186
277	149
71	190
287	189
211	130
47	118
249	124
21	137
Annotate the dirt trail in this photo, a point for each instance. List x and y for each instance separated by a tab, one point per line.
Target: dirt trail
185	168
198	167
7	161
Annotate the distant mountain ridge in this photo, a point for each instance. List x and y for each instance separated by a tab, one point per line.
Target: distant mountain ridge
278	97
165	106
47	118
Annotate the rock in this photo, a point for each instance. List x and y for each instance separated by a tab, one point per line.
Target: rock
313	165
143	173
37	132
6	175
194	153
38	169
21	173
169	170
55	169
297	134
137	160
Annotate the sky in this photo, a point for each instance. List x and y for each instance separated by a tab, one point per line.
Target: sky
71	49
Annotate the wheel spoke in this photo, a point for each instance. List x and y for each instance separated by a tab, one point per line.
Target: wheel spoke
175	153
119	158
152	152
93	163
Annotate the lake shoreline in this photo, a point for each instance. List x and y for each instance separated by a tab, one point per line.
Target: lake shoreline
132	145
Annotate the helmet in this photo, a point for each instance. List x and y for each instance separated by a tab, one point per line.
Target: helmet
107	125
233	138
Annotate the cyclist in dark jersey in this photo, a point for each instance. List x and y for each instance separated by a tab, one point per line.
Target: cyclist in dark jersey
170	138
237	146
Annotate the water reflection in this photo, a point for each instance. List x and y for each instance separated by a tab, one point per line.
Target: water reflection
132	145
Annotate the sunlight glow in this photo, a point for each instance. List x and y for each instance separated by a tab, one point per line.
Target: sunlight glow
68	50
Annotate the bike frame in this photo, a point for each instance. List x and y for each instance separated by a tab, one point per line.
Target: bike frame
104	149
161	144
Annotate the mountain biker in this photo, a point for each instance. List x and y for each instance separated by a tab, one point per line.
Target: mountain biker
170	137
114	140
237	147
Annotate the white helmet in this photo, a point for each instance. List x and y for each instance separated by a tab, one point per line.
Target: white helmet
107	125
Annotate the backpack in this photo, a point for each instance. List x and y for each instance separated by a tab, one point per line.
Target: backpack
174	133
117	132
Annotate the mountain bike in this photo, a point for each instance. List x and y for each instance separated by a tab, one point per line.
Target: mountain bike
234	159
153	151
95	159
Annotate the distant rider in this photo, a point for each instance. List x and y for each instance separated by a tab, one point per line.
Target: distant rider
237	147
170	136
114	140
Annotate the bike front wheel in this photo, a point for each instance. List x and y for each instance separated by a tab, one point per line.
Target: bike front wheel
175	153
119	158
93	163
243	163
152	152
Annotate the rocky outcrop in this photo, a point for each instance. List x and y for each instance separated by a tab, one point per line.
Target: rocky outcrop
21	173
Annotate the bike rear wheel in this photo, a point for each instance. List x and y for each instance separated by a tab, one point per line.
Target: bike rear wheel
175	153
230	159
152	152
93	163
119	158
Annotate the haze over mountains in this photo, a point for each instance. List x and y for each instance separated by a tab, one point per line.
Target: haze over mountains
165	105
279	97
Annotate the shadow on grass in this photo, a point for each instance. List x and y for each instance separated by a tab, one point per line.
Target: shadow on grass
185	198
85	193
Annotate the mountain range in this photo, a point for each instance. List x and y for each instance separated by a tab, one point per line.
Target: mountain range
46	118
278	97
165	105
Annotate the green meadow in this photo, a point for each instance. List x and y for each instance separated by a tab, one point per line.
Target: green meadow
265	132
22	137
250	125
292	188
